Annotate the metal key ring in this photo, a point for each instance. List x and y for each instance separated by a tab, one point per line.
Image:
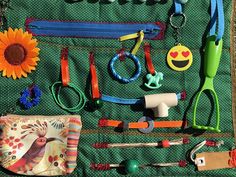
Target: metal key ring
183	20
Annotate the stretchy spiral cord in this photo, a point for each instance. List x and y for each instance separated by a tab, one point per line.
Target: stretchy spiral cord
56	97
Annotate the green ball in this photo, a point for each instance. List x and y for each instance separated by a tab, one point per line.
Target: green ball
131	166
97	104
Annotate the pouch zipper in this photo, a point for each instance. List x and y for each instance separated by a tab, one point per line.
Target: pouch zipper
80	29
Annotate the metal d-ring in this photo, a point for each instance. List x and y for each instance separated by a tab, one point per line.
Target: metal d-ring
183	20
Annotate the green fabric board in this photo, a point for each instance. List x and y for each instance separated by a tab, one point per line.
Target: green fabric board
48	72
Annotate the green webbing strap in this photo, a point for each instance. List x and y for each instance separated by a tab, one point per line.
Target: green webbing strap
56	96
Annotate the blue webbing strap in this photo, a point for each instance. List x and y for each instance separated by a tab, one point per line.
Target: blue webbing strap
121	100
178	7
217	12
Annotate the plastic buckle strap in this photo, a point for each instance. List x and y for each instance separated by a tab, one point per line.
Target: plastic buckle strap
150	67
94	79
178	7
65	75
217	12
139	36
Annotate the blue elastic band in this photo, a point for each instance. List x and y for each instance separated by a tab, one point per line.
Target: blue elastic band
217	12
121	100
122	79
178	7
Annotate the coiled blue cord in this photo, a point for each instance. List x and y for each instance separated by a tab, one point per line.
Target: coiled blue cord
117	76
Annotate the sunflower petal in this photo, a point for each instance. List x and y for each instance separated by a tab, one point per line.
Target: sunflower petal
31	44
14	75
31	62
4	72
4	38
19	36
25	67
32	68
11	35
3	65
27	37
33	53
18	71
36	59
10	70
2	46
24	74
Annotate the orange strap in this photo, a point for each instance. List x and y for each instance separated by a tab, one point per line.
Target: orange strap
65	75
94	79
136	125
147	51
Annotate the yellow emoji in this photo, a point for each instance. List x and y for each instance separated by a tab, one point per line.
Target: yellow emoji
179	58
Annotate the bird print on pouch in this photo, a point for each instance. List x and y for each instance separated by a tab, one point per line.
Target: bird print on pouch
36	151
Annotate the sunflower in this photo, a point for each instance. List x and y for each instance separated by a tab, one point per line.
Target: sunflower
18	53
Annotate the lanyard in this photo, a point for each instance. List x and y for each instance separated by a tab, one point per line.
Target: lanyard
217	13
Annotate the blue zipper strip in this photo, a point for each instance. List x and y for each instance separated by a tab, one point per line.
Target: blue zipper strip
80	29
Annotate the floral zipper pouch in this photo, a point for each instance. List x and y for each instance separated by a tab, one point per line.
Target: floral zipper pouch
39	145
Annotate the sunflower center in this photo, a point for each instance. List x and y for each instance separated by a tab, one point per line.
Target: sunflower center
15	54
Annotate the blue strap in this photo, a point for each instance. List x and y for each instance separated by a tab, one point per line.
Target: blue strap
213	18
121	100
221	24
217	12
178	7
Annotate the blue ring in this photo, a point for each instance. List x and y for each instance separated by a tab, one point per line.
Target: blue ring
117	76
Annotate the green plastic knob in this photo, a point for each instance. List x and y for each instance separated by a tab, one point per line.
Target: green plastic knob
131	166
95	104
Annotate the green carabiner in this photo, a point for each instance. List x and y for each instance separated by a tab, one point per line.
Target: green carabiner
211	63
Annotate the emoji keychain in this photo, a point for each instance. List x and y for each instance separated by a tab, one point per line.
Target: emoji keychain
179	57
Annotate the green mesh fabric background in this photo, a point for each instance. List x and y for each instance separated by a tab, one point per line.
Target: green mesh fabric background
48	72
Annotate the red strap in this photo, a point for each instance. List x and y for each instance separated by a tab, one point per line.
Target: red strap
94	79
147	51
232	161
65	75
121	52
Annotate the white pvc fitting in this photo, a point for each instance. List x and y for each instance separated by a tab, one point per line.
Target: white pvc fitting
160	103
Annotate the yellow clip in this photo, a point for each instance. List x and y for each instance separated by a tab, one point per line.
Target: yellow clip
139	36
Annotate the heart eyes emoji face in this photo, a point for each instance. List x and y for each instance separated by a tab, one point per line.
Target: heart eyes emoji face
179	58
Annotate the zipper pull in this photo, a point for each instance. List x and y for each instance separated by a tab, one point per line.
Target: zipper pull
152	30
139	36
